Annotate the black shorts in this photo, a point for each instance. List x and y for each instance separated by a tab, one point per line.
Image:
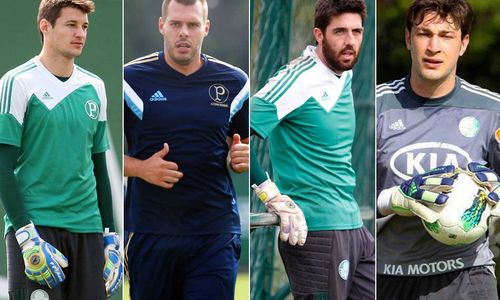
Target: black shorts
84	274
335	264
477	283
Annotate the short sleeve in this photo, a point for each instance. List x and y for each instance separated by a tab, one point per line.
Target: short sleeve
101	142
13	103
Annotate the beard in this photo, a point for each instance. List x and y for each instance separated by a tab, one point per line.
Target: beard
333	58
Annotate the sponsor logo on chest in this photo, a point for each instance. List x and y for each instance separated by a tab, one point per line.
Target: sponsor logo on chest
417	158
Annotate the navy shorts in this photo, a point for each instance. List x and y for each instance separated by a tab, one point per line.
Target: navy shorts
182	267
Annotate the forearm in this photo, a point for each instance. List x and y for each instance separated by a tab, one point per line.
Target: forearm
103	187
257	174
132	166
10	193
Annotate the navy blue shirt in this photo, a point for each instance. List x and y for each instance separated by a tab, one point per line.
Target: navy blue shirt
193	114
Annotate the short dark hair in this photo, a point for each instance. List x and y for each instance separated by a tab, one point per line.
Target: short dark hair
459	11
325	9
183	2
50	10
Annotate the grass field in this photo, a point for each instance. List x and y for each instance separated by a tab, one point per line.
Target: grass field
242	288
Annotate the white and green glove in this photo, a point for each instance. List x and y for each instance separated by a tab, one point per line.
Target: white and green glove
113	266
412	196
293	226
43	263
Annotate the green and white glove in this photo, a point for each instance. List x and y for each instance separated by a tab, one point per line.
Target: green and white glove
412	196
113	266
43	263
293	226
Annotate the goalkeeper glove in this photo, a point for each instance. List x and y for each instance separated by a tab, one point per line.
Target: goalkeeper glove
412	196
42	261
113	267
486	177
293	226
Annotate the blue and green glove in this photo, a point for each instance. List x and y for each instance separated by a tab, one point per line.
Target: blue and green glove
486	177
43	263
412	196
113	266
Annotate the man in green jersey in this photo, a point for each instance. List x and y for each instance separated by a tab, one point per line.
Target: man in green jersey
306	112
54	183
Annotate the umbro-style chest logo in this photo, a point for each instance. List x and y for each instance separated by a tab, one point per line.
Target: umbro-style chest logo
158	96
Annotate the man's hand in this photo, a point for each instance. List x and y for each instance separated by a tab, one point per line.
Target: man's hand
42	261
158	171
494	198
113	266
293	226
412	196
489	179
239	154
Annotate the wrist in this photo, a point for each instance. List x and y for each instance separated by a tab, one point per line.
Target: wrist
384	204
25	234
133	166
266	190
228	163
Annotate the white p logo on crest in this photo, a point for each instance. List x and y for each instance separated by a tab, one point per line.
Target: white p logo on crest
218	93
92	109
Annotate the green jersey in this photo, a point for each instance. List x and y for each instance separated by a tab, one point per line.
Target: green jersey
307	112
58	126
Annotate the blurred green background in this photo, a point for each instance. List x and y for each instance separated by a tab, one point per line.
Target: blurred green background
479	65
227	41
102	56
280	30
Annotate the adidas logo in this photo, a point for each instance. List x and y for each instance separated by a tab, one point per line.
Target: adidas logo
158	96
398	125
325	97
47	96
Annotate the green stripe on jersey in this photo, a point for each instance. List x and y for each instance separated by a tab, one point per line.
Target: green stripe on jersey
292	80
88	73
288	73
9	82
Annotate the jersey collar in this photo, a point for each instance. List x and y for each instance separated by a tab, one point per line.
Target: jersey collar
161	58
434	101
311	52
51	76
